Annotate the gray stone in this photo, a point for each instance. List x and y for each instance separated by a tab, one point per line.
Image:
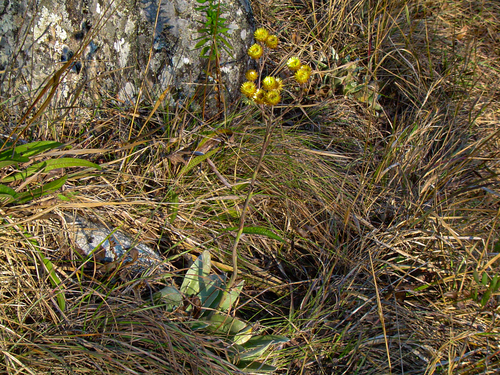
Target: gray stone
110	245
118	48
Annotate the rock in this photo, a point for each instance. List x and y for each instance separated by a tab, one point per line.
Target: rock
111	247
116	48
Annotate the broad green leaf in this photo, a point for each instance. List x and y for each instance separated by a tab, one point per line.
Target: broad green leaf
243	336
6	163
39	192
197	160
257	230
50	165
23	175
211	291
170	296
9	156
257	345
231	297
35	148
226	324
264	339
199	270
7	190
255	367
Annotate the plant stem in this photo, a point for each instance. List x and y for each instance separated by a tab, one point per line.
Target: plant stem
234	252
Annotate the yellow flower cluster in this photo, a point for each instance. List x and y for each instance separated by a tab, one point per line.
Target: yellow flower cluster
271	88
270	91
302	72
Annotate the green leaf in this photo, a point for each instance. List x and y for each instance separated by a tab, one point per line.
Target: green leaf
44	190
230	298
211	292
54	280
7	190
6	163
495	284
199	270
257	345
35	148
485	280
50	165
486	297
174	207
170	296
255	367
257	230
201	43
23	175
197	160
226	324
476	276
12	156
243	336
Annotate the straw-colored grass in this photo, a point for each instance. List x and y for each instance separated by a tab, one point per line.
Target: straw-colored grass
383	217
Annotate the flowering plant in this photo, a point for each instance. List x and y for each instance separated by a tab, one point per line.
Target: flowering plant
268	90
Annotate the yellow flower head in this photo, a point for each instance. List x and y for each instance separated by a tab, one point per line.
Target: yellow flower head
306	68
294	63
302	75
260	96
269	83
272	41
273	97
279	81
255	51
251	75
248	89
261	34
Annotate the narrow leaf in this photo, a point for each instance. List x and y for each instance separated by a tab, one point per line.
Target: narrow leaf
257	230
197	160
54	280
44	190
35	148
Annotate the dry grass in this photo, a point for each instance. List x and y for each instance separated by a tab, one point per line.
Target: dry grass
383	217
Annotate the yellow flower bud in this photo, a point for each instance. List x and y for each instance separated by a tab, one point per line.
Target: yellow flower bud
261	34
248	89
272	41
255	51
251	75
294	63
272	97
269	83
260	96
